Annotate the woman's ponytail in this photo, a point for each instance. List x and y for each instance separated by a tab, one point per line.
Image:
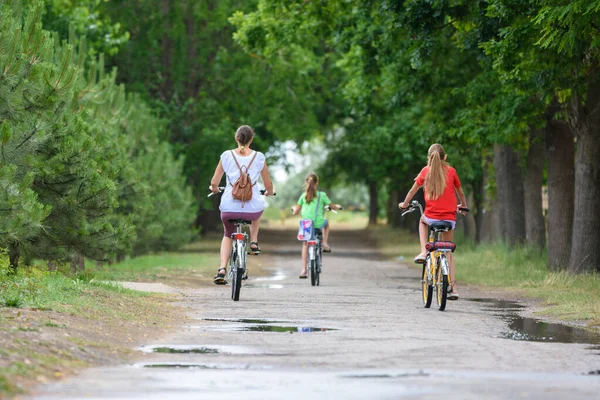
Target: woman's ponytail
311	182
435	182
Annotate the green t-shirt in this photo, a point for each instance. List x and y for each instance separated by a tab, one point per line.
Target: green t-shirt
308	209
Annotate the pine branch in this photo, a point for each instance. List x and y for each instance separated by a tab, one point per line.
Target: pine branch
27	138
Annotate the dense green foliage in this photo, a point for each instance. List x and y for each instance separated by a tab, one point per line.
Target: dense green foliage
84	172
481	77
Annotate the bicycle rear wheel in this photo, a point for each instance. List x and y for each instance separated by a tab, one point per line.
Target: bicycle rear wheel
426	287
441	283
237	274
314	273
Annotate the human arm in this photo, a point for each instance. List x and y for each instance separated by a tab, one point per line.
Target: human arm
266	178
335	206
411	193
216	179
298	206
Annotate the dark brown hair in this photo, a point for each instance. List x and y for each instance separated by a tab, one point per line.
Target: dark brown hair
435	181
244	135
311	181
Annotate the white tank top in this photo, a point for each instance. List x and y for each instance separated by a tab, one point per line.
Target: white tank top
232	173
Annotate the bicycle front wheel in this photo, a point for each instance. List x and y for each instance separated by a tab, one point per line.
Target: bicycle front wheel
426	286
441	283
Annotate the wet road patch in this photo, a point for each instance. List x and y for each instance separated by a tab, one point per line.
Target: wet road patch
246	320
200	349
275	328
535	330
190	365
263	286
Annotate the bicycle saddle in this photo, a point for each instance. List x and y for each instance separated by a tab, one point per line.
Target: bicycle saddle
240	221
441	226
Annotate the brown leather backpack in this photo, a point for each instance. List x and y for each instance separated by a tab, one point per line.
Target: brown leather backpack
242	187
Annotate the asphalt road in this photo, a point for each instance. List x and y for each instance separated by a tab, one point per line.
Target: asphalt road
369	338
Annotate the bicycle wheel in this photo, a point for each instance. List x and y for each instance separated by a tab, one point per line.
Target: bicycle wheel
237	274
441	283
314	273
426	287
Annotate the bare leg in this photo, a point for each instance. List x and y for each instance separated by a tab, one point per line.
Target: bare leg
254	230
226	245
448	236
326	236
304	258
423	234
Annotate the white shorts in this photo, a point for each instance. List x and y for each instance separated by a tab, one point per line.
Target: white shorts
430	221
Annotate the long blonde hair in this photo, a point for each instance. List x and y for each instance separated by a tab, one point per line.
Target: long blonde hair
435	181
311	182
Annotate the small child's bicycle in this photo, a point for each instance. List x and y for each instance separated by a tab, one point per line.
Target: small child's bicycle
315	254
435	266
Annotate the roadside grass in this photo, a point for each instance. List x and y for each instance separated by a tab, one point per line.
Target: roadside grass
38	336
494	266
52	323
199	260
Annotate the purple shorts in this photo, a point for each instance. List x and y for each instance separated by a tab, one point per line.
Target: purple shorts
229	227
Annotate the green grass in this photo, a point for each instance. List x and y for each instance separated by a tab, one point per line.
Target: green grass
567	297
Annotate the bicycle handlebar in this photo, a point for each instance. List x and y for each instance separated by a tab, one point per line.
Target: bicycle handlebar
222	189
414	205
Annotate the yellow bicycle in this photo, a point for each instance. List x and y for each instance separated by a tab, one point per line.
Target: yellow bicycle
436	268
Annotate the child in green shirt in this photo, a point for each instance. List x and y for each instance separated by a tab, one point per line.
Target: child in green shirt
307	203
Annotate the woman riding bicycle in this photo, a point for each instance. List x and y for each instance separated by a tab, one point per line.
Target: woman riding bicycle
311	210
441	187
232	163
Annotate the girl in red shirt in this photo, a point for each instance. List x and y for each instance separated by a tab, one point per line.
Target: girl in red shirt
441	188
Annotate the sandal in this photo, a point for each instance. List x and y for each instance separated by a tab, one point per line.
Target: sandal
326	249
452	293
254	249
220	277
303	276
420	259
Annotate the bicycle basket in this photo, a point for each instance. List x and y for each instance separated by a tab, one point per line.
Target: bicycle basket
305	229
440	245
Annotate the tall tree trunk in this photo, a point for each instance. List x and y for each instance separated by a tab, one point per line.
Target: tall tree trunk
77	263
13	257
167	48
509	186
585	120
488	220
534	214
560	147
373	203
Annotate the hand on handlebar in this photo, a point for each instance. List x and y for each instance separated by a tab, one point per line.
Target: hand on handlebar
462	209
404	205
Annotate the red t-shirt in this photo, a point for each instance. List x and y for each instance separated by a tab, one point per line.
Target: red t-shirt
444	208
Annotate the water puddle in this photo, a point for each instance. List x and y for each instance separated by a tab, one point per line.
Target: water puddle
291	329
534	330
263	285
246	320
199	349
185	365
278	276
387	376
